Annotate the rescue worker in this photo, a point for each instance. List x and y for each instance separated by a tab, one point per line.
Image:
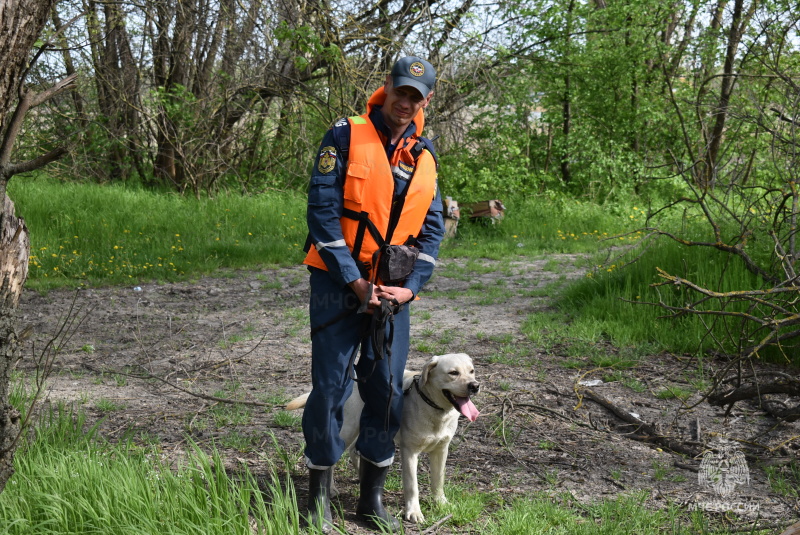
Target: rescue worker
373	184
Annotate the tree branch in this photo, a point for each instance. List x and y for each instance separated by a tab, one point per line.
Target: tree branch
27	101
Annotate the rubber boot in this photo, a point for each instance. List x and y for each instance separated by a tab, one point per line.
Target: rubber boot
319	499
370	502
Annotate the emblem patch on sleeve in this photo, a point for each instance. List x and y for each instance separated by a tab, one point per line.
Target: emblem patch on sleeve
327	160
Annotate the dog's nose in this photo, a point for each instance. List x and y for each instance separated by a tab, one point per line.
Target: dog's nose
474	387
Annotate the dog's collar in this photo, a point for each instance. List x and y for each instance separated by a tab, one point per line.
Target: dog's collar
425	398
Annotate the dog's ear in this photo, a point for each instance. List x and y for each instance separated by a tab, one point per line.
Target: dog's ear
427	370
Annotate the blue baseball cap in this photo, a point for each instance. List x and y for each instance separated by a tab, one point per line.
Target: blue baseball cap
414	72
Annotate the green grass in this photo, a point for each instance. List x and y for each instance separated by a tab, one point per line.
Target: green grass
785	479
69	480
91	234
611	300
539	225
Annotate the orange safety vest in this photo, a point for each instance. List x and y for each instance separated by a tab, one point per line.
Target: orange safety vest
369	189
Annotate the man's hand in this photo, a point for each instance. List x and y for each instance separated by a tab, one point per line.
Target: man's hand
361	288
398	293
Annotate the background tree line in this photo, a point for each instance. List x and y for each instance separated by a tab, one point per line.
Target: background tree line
593	97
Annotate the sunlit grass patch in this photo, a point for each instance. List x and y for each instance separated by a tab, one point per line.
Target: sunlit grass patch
67	481
92	234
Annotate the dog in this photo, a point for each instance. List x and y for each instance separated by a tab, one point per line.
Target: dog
434	400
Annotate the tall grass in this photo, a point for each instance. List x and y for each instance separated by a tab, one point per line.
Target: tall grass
541	225
92	234
619	302
68	481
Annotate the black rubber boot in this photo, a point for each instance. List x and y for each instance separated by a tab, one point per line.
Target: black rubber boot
319	499
370	502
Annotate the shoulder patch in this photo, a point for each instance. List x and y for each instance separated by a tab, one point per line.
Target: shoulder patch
327	160
340	123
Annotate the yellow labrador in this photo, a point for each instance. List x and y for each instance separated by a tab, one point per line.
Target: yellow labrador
434	400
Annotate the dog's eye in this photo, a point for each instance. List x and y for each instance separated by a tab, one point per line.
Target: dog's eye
454	373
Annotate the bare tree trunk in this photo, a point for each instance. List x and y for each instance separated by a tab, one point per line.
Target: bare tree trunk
566	111
739	23
14	251
21	21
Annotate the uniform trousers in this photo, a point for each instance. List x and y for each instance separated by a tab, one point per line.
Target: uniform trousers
331	351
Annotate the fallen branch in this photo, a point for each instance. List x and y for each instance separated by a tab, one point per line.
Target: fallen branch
437	525
644	432
783	385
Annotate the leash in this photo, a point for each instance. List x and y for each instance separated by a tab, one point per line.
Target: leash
425	398
381	335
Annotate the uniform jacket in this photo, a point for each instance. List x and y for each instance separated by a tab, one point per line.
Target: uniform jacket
359	170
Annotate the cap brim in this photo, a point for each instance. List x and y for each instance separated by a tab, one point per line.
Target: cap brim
402	81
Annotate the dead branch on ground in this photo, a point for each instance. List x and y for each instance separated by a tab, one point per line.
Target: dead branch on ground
642	431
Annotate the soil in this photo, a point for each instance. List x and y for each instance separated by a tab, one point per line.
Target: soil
148	362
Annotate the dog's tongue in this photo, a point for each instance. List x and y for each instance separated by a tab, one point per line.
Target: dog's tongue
467	408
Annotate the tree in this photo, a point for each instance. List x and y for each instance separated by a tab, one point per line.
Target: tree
21	22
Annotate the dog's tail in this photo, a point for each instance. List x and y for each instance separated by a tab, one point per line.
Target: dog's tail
297	403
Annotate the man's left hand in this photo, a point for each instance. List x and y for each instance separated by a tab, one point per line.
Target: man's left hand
398	293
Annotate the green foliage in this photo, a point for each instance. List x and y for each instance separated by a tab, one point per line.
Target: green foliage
67	481
621	300
541	224
308	44
89	234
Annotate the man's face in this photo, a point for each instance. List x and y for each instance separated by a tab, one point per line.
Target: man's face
402	104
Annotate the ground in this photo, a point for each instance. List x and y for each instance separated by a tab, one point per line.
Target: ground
150	361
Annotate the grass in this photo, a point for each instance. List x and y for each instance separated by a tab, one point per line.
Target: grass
537	226
69	480
85	234
618	302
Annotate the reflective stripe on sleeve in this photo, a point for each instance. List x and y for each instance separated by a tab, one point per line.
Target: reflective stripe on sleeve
426	258
337	243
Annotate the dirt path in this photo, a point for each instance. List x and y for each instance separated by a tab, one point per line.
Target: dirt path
137	352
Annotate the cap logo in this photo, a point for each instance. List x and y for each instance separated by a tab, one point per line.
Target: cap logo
417	69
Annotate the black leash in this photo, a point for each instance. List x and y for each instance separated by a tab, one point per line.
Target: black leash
381	339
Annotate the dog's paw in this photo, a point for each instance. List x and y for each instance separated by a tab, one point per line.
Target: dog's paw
415	516
440	500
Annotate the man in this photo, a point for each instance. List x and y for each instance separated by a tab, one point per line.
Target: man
373	185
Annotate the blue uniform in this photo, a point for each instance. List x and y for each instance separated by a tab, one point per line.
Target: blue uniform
331	298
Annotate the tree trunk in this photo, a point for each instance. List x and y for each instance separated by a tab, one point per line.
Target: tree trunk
14	251
739	23
566	110
21	21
